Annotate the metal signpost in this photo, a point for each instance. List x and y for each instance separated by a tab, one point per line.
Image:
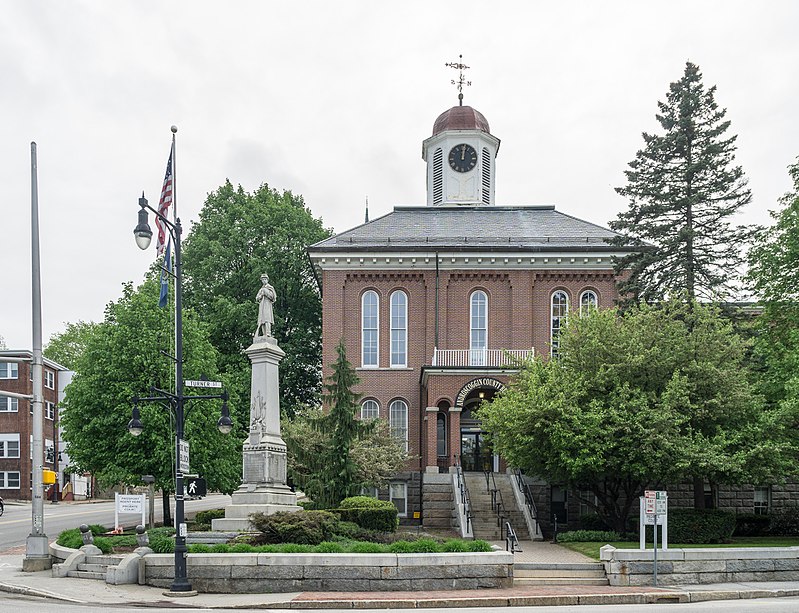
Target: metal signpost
654	512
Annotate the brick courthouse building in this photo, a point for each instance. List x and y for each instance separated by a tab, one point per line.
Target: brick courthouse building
433	302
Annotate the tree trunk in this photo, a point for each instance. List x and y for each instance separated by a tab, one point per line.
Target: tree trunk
699	493
167	510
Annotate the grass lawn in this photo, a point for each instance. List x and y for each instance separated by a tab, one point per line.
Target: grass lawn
591	548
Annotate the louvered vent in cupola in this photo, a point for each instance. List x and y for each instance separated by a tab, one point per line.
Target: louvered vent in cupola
486	176
438	177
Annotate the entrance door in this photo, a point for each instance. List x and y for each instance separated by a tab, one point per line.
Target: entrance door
475	452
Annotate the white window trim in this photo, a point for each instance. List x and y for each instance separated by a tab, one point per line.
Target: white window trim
404	426
49	379
11	404
11	368
584	293
405	498
474	360
12	437
404	330
49	410
552	349
4	482
377	331
363	405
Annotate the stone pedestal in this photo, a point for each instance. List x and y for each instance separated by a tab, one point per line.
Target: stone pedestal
263	488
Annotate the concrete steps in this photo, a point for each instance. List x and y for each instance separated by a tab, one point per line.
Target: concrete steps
588	573
95	567
484	517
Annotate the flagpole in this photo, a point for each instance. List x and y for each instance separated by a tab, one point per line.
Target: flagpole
174	176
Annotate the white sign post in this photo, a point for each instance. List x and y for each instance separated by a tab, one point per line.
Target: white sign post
128	503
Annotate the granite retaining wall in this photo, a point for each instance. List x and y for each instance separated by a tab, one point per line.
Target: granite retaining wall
700	565
268	572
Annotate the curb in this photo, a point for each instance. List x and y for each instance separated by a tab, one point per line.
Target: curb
29	591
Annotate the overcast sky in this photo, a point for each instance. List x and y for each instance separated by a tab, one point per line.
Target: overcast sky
332	100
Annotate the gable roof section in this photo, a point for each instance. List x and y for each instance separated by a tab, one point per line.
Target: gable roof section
465	228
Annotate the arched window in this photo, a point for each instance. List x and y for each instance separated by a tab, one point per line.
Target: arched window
399	329
370	409
398	421
478	328
441	435
370	335
559	312
588	301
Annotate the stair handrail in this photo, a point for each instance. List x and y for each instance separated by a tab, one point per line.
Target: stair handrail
529	501
511	541
464	494
498	503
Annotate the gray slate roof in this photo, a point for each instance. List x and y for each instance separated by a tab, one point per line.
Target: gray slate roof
468	228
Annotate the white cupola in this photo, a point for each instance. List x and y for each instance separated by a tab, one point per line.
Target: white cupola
460	156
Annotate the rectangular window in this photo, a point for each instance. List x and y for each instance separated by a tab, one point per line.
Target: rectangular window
9	445
9	480
9	370
369	491
762	503
398	494
49	379
49	410
8	405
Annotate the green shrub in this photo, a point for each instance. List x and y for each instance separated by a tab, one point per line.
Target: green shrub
205	517
103	543
199	548
161	542
700	526
479	545
242	548
367	547
785	521
454	545
378	515
72	538
292	548
361	502
329	547
749	524
349	530
302	527
220	548
401	547
588	536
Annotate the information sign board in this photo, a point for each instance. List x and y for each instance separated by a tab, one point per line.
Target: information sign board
184	456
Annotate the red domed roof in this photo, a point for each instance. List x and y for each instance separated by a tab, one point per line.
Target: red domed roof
461	118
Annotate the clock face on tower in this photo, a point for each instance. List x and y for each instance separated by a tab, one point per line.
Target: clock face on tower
462	158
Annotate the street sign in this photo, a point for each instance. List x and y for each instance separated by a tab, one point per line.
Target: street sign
655	502
200	383
184	456
195	487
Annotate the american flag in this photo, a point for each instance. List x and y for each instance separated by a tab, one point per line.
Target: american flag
163	205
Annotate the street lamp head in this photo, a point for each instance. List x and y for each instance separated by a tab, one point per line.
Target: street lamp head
142	231
135	426
225	424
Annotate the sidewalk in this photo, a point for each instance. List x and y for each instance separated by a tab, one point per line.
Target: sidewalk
83	591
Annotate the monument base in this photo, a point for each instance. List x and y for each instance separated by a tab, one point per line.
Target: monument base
249	499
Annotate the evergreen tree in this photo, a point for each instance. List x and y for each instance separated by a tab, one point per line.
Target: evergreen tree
683	188
337	476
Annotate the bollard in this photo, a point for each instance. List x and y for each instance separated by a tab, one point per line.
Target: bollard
141	536
86	535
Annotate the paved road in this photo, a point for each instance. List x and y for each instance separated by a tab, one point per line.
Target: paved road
23	604
15	523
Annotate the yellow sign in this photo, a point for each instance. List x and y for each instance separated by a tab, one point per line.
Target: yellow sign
48	477
416	515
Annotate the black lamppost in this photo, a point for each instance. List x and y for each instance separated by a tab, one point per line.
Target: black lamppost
174	401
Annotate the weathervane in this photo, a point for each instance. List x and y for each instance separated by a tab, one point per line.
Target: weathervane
460	67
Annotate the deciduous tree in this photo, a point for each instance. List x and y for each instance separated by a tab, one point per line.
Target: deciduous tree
239	237
650	397
120	358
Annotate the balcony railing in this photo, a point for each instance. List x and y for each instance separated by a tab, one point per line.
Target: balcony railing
480	357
